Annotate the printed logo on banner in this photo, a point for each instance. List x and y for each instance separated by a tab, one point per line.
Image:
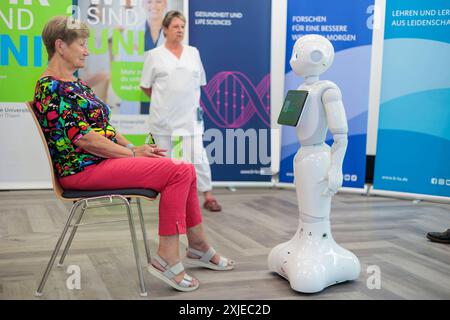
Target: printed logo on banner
241	102
440	181
350	177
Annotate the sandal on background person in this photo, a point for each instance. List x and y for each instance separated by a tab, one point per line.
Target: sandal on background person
212	205
204	260
170	272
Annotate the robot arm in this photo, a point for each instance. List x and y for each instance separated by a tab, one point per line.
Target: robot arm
337	123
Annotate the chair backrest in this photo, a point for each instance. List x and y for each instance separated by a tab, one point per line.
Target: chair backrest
56	185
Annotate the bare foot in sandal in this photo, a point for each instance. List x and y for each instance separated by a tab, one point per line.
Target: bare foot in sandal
208	259
201	254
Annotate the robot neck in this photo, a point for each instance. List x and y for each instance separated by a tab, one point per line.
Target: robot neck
311	79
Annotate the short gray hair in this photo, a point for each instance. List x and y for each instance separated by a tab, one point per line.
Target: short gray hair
57	28
170	16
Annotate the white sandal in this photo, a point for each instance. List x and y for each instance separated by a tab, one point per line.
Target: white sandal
170	272
205	260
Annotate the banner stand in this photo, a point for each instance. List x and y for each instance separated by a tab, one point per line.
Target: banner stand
404	195
361	191
244	184
21	186
284	185
364	190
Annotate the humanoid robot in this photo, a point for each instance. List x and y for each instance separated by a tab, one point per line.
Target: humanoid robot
312	260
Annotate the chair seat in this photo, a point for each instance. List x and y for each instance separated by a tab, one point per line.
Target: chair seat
77	194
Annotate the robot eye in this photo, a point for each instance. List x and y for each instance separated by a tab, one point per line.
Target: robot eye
316	56
296	55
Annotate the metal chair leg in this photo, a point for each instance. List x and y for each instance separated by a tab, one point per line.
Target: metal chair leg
144	233
56	250
143	292
72	235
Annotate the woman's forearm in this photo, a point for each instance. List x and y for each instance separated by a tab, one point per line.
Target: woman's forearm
100	146
122	140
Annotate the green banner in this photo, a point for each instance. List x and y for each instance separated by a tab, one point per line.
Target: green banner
136	139
126	77
23	56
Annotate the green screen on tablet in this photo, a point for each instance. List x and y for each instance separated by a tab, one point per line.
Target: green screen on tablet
292	107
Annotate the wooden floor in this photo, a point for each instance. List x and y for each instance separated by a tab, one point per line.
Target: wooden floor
384	232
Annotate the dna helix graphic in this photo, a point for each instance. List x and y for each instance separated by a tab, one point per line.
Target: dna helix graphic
230	99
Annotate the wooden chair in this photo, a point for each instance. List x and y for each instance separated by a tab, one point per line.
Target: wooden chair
88	200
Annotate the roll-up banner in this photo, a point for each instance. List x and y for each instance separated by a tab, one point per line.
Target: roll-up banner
23	58
348	25
413	144
233	38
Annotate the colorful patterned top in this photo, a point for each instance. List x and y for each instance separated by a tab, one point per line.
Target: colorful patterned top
67	110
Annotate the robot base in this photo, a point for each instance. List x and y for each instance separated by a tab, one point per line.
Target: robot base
312	260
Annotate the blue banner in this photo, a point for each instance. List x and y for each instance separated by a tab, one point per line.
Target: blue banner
348	25
233	38
413	144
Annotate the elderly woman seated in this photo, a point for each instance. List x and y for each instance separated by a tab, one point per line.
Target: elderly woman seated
88	154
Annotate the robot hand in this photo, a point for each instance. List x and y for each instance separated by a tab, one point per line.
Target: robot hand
334	181
335	176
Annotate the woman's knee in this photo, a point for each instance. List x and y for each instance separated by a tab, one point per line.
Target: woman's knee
192	171
186	170
192	168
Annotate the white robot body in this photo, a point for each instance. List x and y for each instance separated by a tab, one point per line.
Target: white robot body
313	128
312	260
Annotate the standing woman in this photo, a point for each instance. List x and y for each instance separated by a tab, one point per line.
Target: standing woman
172	76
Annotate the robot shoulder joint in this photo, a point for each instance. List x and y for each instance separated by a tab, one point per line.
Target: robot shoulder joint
331	95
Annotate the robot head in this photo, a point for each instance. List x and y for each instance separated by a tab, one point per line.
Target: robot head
312	55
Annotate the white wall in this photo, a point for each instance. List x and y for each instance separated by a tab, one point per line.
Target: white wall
23	162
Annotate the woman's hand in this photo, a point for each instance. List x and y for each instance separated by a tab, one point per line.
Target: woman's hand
149	150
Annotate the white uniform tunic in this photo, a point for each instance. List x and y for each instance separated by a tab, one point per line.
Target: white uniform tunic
175	87
175	99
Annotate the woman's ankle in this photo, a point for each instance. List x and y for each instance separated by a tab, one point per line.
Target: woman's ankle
207	195
200	245
169	258
196	238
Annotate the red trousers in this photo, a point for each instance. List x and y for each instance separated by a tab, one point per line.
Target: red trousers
179	208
